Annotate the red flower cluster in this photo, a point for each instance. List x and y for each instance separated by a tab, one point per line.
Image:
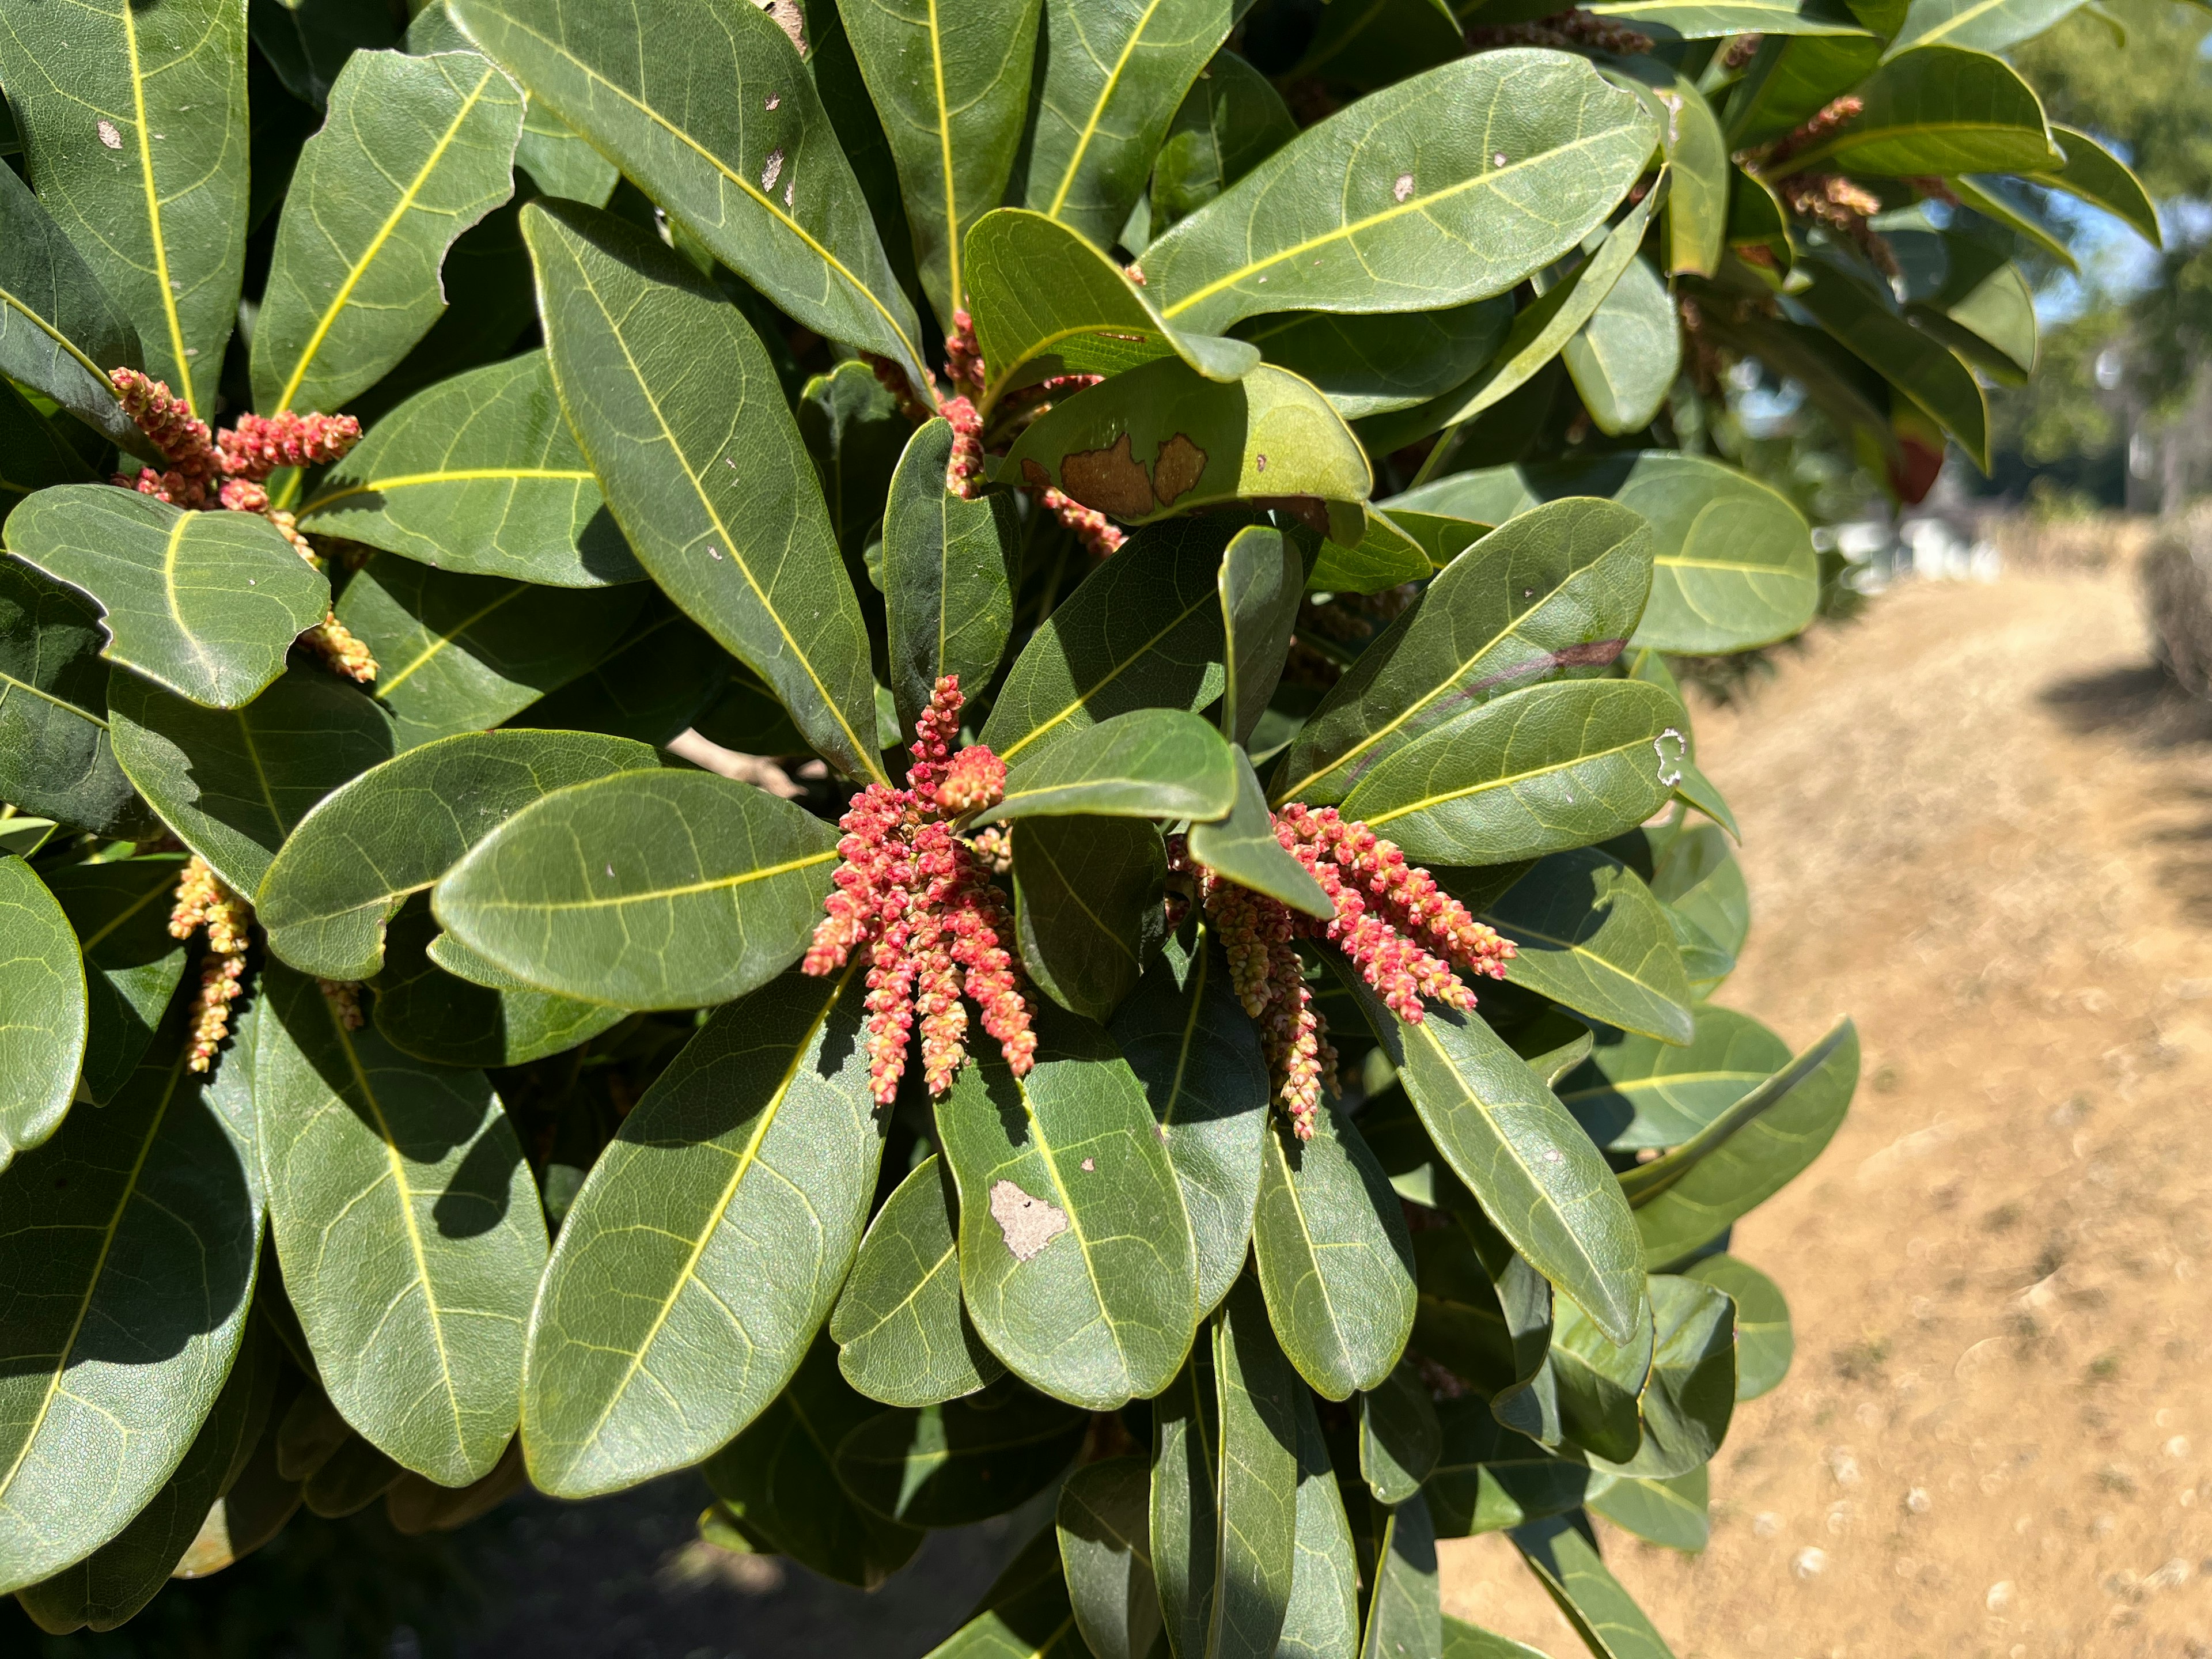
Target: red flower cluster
920	900
1392	920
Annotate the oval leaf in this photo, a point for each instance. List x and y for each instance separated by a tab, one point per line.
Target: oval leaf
1104	1521
1089	892
1261	1480
1764	1342
42	986
1374	365
948	599
59	332
1400	1440
424	1010
1149	764
56	755
119	910
954	1464
1590	936
1635	1091
901	1334
1939	109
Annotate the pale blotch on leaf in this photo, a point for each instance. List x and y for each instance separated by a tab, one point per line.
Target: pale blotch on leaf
1403	188
1027	1223
1670	766
773	170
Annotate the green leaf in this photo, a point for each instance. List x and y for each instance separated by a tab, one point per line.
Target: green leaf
1048	303
233	782
133	123
1114	79
1494	1334
415	151
1083	1281
255	1509
2097	176
1386	555
425	1011
1404	1616
662	675
1322	1619
1377	364
1991	324
854	429
720	134
1939	110
1197	1052
952	86
409	1228
1163	438
1603	1614
1984	25
1335	1259
309	42
119	913
415	1506
1712	19
1261	578
1400	1440
206	603
1147	764
38	455
1635	1092
42	986
649	890
1104	1520
1764	1342
1231	121
702	464
60	334
707	1245
1689	1395
948	596
1870	327
1590	936
1747	1154
901	1334
1357	213
1025	1614
1144	630
131	1239
1697	151
1243	847
478	473
356	1475
1380	41
398	826
1671	1512
1185	1533
1536	771
1539	1179
1089	892
1555	592
779	1478
954	1464
1259	1475
1464	1641
1624	360
1489	1478
1588	1389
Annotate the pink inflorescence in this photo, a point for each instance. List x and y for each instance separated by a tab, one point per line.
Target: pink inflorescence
920	900
228	469
1403	932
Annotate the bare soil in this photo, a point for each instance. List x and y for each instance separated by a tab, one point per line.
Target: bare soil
1978	823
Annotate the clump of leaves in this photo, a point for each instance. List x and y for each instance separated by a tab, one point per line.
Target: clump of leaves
656	557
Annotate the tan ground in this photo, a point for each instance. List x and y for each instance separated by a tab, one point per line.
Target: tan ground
1973	823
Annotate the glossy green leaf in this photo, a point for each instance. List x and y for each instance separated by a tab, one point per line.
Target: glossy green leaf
478	473
651	890
1400	203
133	123
703	466
1083	1281
1197	1053
779	1478
948	595
309	42
1400	1440
1376	364
233	782
1231	121
654	682
1261	1480
1261	578
425	1011
2097	176
1867	322
952	86
42	986
1603	1614
1047	302
1162	438
1984	25
901	1334
1635	1092
1322	1619
415	151
1115	76
1385	556
1404	1615
1555	592
1589	935
1149	762
1748	1153
1089	893
707	1245
398	826
1589	1389
38	455
960	1462
1243	847
1940	109
1489	1478
1671	1512
729	135
119	913
1699	177
1104	1520
1710	20
1624	359
853	427
130	1238
206	603
1144	630
408	1227
1334	1259
1464	1641
1186	1503
1690	1393
60	333
1764	1341
1537	770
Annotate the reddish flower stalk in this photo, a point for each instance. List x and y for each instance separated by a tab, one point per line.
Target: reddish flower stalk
1404	932
919	900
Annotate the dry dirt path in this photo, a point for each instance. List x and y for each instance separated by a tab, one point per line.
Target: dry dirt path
1972	822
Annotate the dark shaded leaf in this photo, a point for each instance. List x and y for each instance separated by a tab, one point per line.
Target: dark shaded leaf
1489	1478
1589	935
424	1010
1400	1440
952	1464
1229	121
948	597
901	1335
1089	892
60	334
119	910
1635	1091
1104	1520
42	986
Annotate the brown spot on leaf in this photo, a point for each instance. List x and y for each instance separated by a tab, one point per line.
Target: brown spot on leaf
1027	1223
1035	476
1108	479
1176	472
